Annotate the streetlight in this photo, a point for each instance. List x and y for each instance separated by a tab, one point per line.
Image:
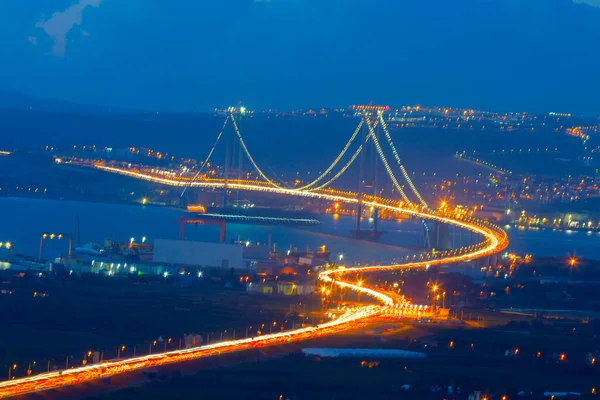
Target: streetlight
7	246
434	289
341	257
359	284
443	300
12	367
122	348
572	264
144	239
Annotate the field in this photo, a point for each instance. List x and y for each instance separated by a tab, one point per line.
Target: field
55	319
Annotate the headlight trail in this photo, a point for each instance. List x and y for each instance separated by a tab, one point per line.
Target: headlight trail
495	240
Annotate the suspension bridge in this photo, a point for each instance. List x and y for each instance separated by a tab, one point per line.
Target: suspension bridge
370	144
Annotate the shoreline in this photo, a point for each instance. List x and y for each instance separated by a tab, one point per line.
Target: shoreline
521	240
129	218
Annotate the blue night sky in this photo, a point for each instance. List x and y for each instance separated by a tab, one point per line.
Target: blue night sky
536	55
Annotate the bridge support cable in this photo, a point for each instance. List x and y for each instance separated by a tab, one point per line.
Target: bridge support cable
207	158
426	230
397	157
338	158
239	135
348	164
387	165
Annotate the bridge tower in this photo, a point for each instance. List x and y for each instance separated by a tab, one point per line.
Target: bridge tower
233	167
369	174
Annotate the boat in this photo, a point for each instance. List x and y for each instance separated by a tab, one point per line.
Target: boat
260	215
93	249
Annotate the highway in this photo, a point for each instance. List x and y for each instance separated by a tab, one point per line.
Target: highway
494	241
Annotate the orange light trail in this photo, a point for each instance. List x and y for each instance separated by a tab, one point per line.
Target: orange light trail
495	240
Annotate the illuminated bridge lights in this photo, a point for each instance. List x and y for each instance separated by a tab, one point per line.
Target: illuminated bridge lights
337	159
369	107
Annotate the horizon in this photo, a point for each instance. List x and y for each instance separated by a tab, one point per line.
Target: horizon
211	110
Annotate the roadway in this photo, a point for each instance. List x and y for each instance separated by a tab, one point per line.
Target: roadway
495	240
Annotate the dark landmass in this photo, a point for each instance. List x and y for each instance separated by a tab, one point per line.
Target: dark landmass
10	100
55	316
460	361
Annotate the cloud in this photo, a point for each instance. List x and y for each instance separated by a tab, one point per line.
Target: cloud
32	40
61	23
593	3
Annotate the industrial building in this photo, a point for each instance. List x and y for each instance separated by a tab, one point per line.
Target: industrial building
199	254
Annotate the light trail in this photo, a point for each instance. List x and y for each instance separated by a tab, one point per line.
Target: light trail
495	241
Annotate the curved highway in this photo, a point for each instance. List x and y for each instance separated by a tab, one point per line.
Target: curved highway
494	241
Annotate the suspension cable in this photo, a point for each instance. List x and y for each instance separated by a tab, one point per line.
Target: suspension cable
336	176
349	163
387	165
237	131
338	158
208	157
397	156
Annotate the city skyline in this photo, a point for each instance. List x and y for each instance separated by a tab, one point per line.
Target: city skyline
16	100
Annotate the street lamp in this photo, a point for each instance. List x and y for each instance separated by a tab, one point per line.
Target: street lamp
359	284
434	289
572	264
8	246
10	369
443	300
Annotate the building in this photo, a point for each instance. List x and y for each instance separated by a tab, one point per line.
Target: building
282	288
199	254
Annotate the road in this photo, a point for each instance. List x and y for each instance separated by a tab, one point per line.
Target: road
495	240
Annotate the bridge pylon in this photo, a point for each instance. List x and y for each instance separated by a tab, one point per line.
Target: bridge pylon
369	173
233	167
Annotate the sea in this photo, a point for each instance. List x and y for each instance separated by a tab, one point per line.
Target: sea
285	147
25	219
